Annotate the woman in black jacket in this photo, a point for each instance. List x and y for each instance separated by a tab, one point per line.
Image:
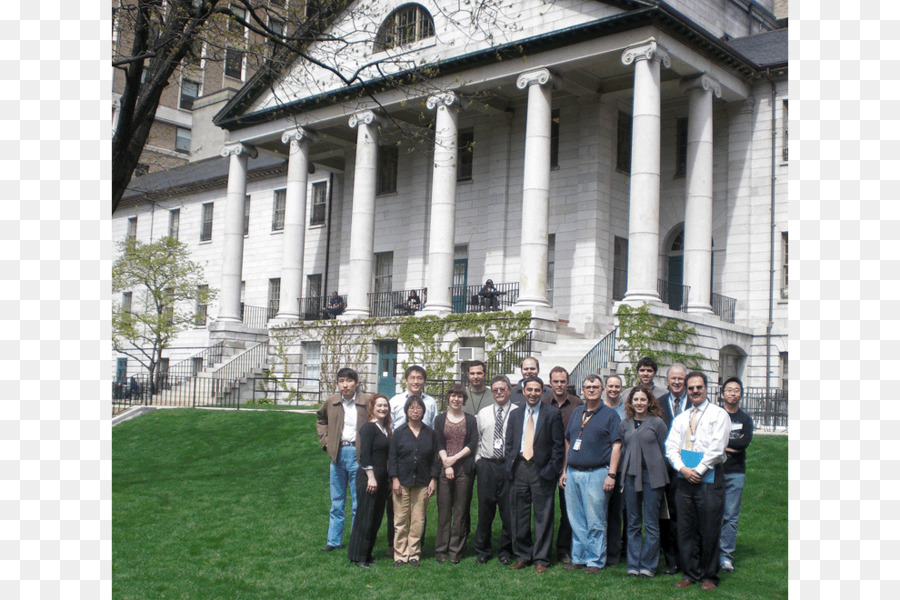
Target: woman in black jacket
413	466
372	483
457	438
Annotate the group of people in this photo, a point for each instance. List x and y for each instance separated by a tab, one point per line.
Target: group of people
666	462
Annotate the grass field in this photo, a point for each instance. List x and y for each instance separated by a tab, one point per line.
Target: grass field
227	505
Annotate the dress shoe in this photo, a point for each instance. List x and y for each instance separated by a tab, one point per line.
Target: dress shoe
707	585
414	563
398	563
684	583
727	566
540	568
455	561
364	565
482	560
518	566
593	571
671	570
441	561
329	548
564	558
572	567
504	560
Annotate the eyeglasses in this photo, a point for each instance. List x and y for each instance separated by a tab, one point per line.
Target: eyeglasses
497	391
696	388
591	387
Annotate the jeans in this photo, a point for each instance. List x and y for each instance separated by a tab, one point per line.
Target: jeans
586	504
734	487
341	475
643	507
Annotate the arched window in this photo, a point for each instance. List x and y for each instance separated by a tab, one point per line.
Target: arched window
409	23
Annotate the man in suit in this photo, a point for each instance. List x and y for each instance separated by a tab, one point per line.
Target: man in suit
338	423
671	405
536	447
529	367
698	438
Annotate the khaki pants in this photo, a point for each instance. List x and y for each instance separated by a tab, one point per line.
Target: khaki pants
409	522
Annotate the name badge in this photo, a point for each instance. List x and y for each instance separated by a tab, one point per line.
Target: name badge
577	445
498	444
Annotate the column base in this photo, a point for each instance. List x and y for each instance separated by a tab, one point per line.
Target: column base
539	309
436	309
284	319
703	309
353	313
636	298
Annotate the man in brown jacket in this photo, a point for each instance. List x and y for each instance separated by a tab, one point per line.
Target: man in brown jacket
338	423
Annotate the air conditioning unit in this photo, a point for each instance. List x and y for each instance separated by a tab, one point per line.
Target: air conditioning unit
467	353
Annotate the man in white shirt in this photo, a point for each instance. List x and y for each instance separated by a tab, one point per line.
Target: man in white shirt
415	378
698	437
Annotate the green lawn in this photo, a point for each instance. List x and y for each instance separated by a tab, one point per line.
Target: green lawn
223	505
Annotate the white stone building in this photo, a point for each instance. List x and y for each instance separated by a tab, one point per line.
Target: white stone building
580	155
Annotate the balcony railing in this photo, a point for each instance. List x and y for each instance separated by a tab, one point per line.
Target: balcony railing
470	299
673	294
254	316
594	361
723	306
312	308
396	303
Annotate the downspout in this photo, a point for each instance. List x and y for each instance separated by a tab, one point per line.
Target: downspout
771	248
328	235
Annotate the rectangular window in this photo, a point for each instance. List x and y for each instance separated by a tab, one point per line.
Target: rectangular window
312	361
131	232
623	143
234	63
554	139
681	135
169	305
387	170
278	210
314	302
200	314
126	302
784	370
466	156
784	264
174	222
190	90
247	214
784	130
551	265
319	201
274	297
384	271
620	268
277	27
234	56
182	140
206	223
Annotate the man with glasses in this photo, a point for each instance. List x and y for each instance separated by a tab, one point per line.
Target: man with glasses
566	403
696	448
493	485
671	405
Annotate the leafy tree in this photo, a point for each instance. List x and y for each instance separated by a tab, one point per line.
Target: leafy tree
162	38
165	286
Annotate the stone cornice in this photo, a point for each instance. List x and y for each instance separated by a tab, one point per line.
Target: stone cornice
647	50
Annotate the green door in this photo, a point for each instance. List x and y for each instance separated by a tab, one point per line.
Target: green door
460	274
387	368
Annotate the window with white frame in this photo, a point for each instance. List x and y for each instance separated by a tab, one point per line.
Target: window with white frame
234	53
784	370
182	140
169	305
312	362
201	310
190	91
551	265
206	222
274	302
131	232
247	214
384	271
174	222
278	210
126	302
409	23
319	202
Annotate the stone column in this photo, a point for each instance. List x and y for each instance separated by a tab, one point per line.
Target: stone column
698	192
362	226
233	237
443	204
294	223
535	191
643	210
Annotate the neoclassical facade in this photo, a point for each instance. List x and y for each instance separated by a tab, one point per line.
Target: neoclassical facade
600	153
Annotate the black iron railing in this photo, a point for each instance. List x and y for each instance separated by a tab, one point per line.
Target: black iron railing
255	317
286	390
723	306
769	411
397	302
508	359
673	294
595	360
473	298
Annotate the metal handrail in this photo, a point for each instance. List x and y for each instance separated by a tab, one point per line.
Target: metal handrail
723	306
254	317
668	294
243	363
469	299
395	303
595	360
508	359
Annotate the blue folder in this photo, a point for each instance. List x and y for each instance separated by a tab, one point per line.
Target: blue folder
691	459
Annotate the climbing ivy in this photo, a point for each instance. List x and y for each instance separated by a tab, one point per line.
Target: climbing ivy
665	340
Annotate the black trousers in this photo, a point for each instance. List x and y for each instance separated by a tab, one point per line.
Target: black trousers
564	535
701	508
668	528
493	495
615	532
530	490
369	511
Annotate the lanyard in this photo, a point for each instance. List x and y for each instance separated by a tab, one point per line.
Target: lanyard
584	421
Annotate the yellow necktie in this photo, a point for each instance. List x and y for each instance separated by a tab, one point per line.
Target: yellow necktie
689	438
528	445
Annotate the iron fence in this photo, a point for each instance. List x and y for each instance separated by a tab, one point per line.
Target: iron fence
594	361
255	317
396	303
673	294
193	391
769	411
508	359
196	363
285	390
472	298
723	306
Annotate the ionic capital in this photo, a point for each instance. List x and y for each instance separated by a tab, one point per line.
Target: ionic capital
298	134
647	50
447	99
703	82
238	149
538	76
366	117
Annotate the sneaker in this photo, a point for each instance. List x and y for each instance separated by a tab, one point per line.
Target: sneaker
727	566
330	548
363	565
414	563
647	573
632	573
